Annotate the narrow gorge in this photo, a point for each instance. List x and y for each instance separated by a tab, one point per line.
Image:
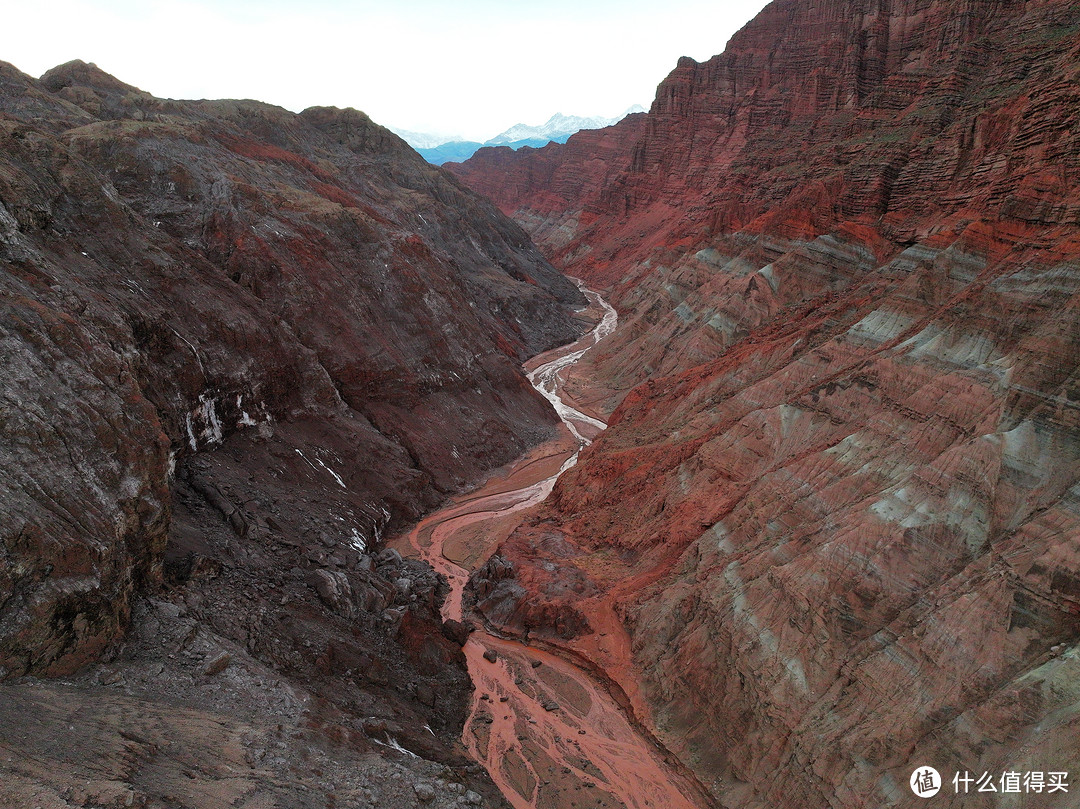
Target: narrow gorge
547	730
323	485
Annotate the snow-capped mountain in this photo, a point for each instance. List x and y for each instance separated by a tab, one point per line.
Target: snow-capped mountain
557	127
439	149
424	140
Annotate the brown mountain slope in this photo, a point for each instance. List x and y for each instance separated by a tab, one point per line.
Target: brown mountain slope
846	254
238	345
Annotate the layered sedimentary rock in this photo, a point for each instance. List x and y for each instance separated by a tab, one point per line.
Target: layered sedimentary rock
846	254
239	345
817	113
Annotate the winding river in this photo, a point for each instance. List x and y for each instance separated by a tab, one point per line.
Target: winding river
549	734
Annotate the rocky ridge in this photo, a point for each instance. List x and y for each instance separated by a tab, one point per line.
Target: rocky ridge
846	256
240	345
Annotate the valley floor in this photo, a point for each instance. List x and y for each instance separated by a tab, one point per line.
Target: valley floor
552	730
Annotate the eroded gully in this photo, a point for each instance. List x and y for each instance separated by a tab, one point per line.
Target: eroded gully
550	735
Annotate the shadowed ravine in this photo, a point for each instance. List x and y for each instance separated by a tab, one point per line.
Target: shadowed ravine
549	734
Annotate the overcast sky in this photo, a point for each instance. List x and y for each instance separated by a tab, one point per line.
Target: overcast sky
471	67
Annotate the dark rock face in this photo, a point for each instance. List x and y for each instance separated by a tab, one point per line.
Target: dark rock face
239	345
176	272
540	593
846	255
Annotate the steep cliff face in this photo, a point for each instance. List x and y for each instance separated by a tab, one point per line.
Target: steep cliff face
896	113
846	254
239	345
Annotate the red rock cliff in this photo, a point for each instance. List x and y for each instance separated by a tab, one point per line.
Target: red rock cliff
846	254
817	113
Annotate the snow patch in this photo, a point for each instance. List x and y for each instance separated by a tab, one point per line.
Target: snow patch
201	424
336	476
194	351
392	743
213	432
190	432
357	541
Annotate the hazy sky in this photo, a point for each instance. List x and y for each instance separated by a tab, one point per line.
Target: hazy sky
471	67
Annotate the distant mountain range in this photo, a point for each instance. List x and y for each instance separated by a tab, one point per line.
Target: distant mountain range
439	149
425	140
557	126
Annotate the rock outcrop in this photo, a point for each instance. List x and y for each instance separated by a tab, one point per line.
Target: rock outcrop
239	345
846	255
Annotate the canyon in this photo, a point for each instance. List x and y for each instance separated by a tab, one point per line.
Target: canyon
831	532
315	494
239	347
548	731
